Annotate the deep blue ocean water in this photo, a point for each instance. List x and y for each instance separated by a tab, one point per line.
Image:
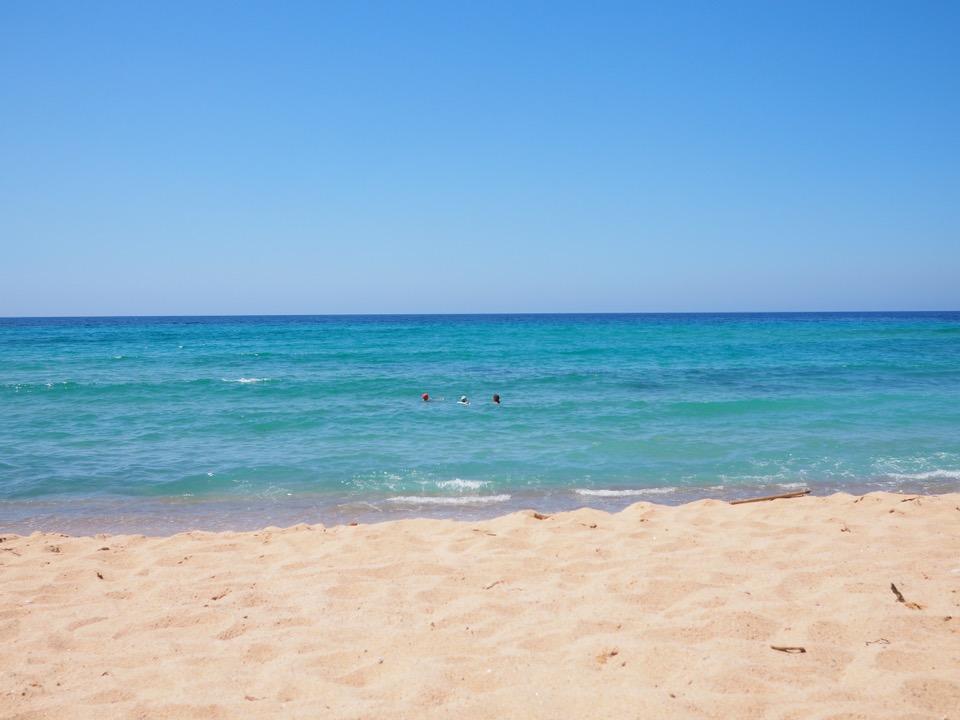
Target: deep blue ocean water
157	425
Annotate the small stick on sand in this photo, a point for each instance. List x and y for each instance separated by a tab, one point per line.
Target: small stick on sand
787	649
900	598
798	493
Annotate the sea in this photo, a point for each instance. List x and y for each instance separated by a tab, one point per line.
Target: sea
157	425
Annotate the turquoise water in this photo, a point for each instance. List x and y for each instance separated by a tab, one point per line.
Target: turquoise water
162	424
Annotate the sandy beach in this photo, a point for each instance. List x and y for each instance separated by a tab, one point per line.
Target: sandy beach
813	607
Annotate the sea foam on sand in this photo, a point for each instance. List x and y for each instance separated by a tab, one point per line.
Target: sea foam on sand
815	607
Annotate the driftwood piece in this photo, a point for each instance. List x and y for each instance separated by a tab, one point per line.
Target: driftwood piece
782	496
788	649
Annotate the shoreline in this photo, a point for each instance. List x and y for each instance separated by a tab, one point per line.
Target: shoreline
705	609
161	516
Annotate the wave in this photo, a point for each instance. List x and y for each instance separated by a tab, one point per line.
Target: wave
777	481
930	475
458	484
590	492
244	381
687	490
446	500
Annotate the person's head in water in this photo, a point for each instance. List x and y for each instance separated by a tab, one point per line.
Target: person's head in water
496	399
464	401
426	398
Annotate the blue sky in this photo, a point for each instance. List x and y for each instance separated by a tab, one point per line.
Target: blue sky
175	158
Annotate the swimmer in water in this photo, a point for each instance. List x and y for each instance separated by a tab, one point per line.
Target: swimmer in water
426	398
464	401
496	399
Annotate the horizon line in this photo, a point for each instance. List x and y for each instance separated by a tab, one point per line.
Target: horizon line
477	314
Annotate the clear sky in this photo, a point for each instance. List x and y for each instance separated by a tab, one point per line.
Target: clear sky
190	158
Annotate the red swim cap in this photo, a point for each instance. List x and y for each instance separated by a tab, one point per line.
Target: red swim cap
425	397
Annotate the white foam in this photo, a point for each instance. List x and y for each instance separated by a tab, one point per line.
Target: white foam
246	380
793	485
625	493
746	480
443	500
459	484
931	475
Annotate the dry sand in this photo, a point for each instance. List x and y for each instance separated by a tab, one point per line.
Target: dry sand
655	612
